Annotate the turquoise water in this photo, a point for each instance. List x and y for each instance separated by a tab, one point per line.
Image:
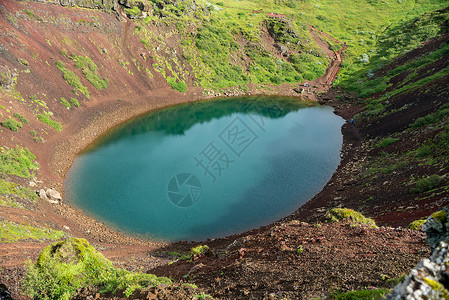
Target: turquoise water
208	169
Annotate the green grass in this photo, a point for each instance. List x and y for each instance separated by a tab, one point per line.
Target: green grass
179	86
11	232
17	161
21	118
366	294
90	71
12	124
11	188
64	267
72	79
45	118
426	184
65	102
339	214
404	34
74	102
385	142
417	224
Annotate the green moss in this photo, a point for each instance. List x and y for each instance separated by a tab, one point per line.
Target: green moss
66	266
417	224
339	214
440	216
200	250
12	232
443	293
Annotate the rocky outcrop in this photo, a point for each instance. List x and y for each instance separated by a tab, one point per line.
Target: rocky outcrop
436	228
4	293
429	280
50	195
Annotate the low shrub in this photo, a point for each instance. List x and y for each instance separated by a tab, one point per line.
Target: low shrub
72	79
47	120
65	102
179	86
12	124
21	118
424	151
426	184
74	102
385	142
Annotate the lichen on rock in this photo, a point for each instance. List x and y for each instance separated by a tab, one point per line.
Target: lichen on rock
436	228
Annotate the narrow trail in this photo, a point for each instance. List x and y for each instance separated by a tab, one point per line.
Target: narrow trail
323	83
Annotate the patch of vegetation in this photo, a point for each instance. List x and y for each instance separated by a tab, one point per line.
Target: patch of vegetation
339	214
202	296
424	151
45	118
65	102
21	118
440	216
443	111
12	124
17	161
66	266
417	224
133	12
366	294
179	86
11	232
396	39
200	250
11	188
385	142
72	79
426	184
90	71
74	102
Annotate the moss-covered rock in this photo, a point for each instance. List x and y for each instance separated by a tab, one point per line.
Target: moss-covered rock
436	227
417	224
66	266
339	214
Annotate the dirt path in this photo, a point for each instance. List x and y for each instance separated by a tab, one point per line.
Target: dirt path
323	83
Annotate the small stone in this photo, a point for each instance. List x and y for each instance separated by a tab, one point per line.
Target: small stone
53	194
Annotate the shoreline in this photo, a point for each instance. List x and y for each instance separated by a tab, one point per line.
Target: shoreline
62	150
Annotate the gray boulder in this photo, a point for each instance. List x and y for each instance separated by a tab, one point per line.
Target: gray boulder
429	280
436	228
